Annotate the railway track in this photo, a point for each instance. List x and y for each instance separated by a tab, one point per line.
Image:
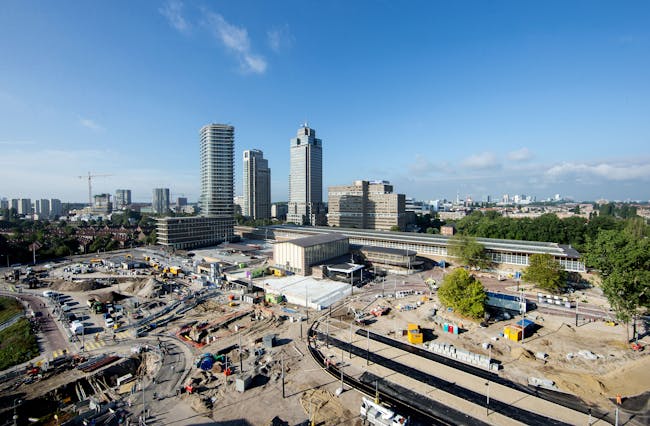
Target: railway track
419	409
566	400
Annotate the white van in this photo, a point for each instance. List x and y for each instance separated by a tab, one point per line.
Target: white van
77	327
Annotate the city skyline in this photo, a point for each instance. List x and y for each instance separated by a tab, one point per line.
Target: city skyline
476	99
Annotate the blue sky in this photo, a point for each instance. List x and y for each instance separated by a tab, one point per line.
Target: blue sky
437	97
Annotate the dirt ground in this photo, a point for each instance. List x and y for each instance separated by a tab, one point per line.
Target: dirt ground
592	360
608	368
308	393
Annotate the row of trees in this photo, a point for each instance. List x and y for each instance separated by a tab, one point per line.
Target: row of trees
60	238
548	227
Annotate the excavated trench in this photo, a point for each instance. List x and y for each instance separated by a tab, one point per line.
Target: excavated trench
70	399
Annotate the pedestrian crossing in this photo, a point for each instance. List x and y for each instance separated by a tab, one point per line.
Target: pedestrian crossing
60	352
94	344
124	335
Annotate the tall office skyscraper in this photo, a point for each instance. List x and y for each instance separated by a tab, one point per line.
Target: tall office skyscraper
257	185
122	198
160	203
306	179
217	170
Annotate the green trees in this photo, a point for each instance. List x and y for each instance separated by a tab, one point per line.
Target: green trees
623	260
545	272
469	251
464	293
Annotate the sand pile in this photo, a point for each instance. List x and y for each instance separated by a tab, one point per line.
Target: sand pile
86	285
132	286
517	352
324	408
148	288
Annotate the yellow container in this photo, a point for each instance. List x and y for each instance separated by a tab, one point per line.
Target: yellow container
414	335
512	332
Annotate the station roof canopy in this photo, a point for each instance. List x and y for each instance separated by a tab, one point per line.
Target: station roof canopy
237	247
346	268
385	250
496	245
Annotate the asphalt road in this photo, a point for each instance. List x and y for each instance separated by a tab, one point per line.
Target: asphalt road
52	337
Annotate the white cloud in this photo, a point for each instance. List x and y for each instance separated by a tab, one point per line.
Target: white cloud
421	165
236	40
173	11
279	38
522	154
90	124
484	160
614	171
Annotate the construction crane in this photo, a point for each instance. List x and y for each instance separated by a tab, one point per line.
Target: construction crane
90	186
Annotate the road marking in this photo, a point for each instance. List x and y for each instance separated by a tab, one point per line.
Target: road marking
91	345
59	352
123	335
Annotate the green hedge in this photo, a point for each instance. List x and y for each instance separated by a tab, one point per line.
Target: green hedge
17	344
8	308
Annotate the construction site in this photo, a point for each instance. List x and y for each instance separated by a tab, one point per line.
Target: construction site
158	344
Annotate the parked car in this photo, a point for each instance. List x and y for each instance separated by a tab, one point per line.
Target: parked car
109	322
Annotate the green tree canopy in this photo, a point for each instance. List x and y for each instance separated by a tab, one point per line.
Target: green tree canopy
545	272
623	260
469	251
464	293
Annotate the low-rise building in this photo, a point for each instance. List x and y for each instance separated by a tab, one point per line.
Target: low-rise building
300	254
193	231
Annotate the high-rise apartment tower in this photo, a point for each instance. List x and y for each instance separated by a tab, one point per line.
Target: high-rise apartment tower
217	170
257	185
122	198
160	202
306	179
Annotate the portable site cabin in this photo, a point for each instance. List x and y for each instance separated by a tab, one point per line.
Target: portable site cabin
414	334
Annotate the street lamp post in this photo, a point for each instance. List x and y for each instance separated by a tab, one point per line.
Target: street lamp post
17	402
487	399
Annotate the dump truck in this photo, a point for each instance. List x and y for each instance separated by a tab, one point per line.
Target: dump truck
376	414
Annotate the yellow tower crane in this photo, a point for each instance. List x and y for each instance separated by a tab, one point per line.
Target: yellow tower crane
90	186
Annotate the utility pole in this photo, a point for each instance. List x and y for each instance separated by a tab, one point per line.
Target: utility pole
282	366
350	342
241	360
327	340
144	409
487	399
368	348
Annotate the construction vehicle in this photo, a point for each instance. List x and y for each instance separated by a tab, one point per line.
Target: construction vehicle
359	316
98	307
379	311
376	414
